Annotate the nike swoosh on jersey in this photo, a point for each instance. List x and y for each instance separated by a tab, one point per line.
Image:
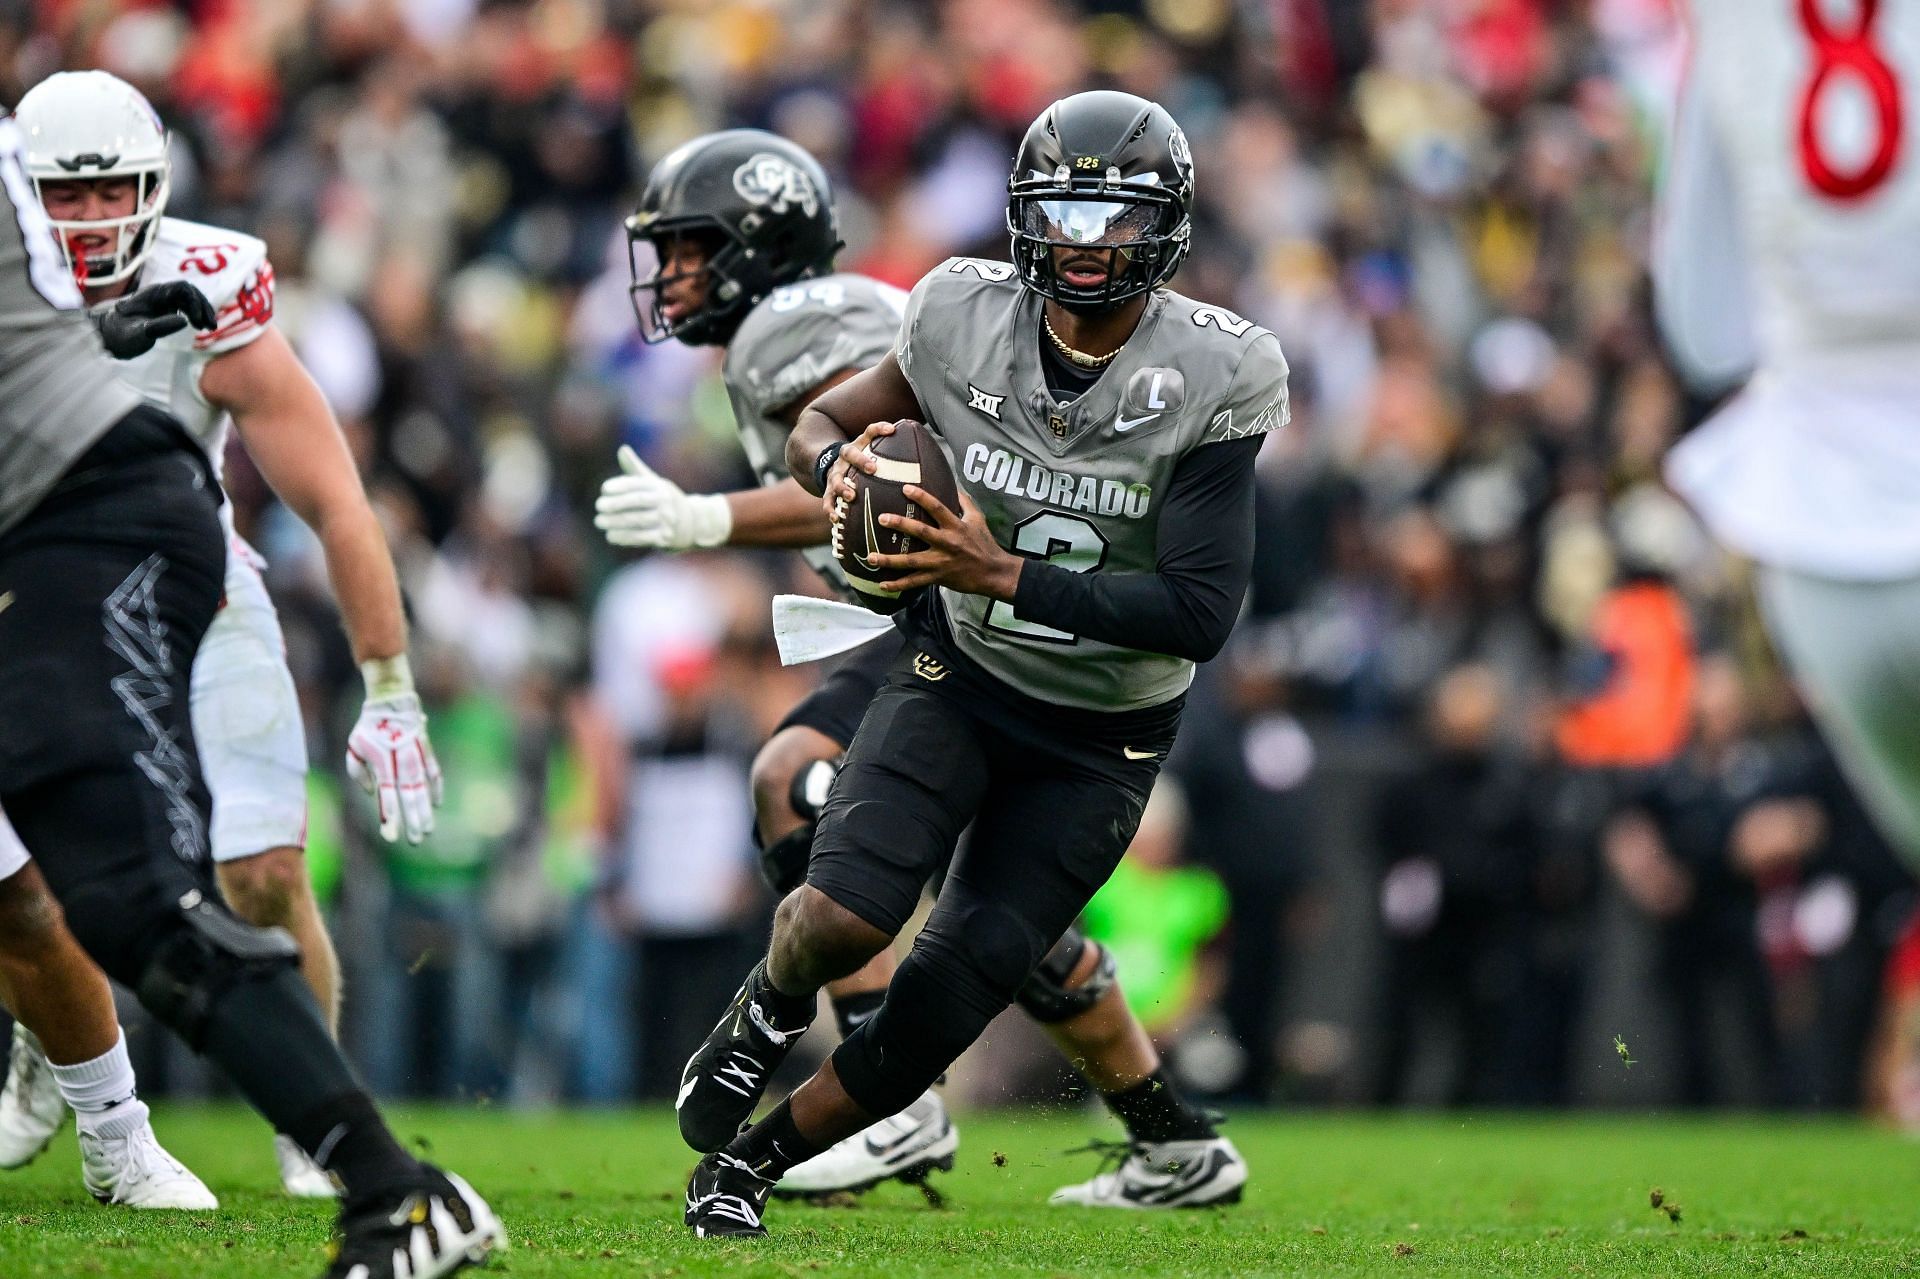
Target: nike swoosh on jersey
1131	753
1125	424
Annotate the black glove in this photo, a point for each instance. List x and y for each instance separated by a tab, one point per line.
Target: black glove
130	328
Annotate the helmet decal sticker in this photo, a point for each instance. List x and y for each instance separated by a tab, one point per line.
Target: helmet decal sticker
1182	154
776	182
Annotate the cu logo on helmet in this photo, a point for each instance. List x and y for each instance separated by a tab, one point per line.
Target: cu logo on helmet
1182	153
776	183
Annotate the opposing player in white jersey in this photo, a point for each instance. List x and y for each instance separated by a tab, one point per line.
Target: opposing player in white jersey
97	155
743	226
1786	261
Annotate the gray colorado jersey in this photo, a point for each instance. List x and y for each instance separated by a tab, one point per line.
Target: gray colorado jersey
1076	483
58	389
797	338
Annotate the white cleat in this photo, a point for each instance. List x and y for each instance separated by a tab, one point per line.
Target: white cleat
302	1178
1163	1174
31	1108
137	1171
907	1146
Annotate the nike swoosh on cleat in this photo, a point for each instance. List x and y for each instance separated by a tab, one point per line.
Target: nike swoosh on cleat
885	1149
686	1090
1131	753
1183	1181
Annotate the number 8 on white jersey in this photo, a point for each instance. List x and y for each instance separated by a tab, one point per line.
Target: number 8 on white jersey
1792	183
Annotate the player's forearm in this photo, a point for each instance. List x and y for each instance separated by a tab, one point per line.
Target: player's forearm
812	436
1188	617
360	566
1187	606
781	515
840	413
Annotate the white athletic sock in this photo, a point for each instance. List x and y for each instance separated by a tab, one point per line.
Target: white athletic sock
103	1084
122	1119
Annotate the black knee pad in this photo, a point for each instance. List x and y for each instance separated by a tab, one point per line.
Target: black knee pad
784	863
1048	999
963	971
202	956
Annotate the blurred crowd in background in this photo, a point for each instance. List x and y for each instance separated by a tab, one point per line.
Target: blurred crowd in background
1496	797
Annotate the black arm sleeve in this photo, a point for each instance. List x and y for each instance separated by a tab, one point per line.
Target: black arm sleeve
1186	607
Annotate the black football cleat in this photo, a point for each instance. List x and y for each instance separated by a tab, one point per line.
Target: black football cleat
726	1077
726	1199
424	1232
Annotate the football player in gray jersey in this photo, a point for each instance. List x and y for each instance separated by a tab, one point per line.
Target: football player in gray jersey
793	329
1104	431
111	562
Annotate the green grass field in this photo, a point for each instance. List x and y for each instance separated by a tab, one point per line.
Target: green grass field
599	1194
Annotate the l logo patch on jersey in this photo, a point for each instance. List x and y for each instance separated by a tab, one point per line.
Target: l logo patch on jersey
988	404
1150	394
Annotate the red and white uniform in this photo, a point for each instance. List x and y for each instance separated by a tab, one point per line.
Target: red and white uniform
233	271
1786	258
1790	213
246	715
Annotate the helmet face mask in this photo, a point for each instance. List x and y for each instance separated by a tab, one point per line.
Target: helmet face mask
762	210
128	238
88	126
705	319
1099	202
1062	240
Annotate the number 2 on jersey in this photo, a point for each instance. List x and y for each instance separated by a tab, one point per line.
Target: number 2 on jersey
207	259
1848	52
1070	541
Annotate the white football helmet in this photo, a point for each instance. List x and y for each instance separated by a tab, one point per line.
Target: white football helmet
89	124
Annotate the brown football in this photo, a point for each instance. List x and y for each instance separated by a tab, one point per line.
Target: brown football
911	455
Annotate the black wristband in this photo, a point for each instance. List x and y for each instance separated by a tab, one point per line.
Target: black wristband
824	463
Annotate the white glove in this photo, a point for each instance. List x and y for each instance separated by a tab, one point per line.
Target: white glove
389	755
640	508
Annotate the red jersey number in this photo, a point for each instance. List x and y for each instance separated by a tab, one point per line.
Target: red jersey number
207	259
1843	51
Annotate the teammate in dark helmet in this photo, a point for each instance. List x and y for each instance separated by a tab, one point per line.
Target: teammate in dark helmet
729	217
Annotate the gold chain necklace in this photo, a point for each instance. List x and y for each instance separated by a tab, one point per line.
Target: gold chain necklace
1080	358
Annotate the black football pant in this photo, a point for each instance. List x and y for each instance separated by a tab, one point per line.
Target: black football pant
110	584
1054	796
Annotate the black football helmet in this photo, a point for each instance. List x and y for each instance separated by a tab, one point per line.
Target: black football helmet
766	207
1106	178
